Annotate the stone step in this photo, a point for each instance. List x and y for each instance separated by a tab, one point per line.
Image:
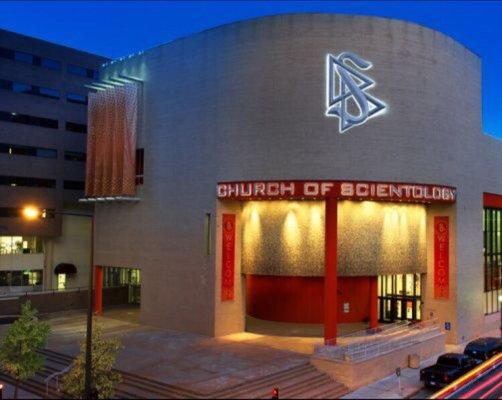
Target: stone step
333	390
298	389
267	381
293	385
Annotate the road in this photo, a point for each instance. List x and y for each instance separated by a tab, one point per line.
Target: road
488	387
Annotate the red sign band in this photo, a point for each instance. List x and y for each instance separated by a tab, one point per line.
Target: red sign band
343	190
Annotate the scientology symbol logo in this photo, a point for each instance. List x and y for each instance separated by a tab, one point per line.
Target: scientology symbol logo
344	83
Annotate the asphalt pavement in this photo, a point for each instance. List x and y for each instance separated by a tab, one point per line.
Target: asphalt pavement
488	387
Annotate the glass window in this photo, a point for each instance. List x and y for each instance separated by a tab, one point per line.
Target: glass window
74	185
389	285
74	156
140	159
46	153
49	63
5	84
82	71
28	119
24	57
6	180
399	284
6	53
418	284
34	277
22	87
492	240
61	281
207	234
75	127
20	245
47	92
4	278
76	98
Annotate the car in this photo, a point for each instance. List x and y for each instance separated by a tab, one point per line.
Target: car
483	348
449	366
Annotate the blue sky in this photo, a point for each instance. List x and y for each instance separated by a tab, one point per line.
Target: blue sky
117	28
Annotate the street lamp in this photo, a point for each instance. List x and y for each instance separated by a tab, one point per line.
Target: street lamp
31	213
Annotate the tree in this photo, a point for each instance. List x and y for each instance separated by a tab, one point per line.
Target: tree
19	355
103	378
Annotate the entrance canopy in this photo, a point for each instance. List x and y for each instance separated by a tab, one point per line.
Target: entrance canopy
341	190
65	268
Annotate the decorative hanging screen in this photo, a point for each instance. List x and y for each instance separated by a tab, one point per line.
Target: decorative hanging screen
111	142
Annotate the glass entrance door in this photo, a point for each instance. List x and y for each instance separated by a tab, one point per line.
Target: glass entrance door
399	297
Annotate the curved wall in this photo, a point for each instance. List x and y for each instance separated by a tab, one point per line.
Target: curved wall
286	238
246	101
301	299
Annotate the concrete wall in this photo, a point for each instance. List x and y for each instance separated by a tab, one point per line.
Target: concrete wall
74	247
62	301
246	101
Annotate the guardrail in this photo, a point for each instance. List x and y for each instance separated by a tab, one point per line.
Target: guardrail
56	376
50	291
394	338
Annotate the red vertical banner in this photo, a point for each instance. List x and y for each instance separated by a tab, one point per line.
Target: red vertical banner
98	290
441	258
228	257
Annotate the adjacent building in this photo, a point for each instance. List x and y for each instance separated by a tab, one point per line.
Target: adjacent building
43	129
307	168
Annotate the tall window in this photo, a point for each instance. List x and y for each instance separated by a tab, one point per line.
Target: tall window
492	249
140	161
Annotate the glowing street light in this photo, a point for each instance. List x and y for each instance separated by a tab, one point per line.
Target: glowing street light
31	212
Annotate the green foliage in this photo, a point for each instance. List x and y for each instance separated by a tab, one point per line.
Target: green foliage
18	350
104	379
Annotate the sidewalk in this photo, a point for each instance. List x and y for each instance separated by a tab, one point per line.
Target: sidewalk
388	388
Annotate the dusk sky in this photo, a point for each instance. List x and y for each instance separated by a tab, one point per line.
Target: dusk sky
118	28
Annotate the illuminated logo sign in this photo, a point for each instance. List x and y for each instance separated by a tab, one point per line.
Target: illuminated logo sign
345	85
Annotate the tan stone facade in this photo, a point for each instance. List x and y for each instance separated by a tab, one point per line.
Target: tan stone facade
246	101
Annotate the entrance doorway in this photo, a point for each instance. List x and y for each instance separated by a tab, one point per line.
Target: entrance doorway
126	278
399	297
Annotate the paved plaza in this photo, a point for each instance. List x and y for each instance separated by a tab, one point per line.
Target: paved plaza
188	360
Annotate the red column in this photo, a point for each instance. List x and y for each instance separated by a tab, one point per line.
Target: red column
98	290
373	301
330	272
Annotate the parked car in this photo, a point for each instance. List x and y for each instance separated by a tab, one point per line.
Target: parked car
448	367
484	348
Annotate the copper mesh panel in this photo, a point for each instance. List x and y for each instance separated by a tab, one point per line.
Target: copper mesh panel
111	142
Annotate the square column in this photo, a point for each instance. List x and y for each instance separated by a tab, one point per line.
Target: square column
373	302
331	271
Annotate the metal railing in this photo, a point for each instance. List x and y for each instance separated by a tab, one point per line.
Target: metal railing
50	291
56	376
391	339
